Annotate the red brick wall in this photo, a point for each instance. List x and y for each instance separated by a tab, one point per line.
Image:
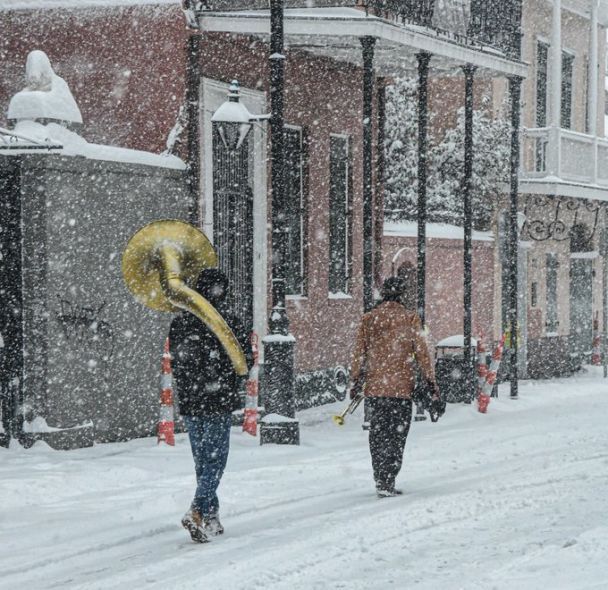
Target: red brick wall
126	69
444	287
325	97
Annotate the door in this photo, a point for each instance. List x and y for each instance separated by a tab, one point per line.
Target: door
233	223
581	316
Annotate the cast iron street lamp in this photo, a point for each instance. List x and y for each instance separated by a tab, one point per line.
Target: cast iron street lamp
233	119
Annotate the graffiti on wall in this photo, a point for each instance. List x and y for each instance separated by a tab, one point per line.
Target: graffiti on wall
84	329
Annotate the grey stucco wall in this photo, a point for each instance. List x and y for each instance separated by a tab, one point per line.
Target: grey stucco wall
91	352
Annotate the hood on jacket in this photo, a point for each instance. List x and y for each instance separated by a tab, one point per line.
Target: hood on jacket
393	289
212	284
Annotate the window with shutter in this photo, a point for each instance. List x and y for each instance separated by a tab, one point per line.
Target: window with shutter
296	187
340	215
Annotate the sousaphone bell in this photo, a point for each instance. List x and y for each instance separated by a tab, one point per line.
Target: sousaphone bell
160	266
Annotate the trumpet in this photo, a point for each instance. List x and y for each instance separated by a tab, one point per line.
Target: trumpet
354	404
161	264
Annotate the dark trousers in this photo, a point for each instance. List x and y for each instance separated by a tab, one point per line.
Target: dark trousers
210	442
388	430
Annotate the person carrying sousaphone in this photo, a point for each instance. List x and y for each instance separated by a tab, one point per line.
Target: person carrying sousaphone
389	352
208	391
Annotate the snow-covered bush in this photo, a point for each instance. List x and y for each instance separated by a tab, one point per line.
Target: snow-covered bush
445	161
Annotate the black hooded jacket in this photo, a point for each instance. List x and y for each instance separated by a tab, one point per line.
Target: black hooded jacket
205	380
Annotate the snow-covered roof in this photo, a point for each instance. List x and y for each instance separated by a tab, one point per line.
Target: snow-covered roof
48	4
74	145
442	231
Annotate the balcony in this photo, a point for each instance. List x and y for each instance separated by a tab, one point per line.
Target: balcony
485	33
563	162
494	23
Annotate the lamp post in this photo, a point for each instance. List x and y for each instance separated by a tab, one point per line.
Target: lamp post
513	238
280	425
469	73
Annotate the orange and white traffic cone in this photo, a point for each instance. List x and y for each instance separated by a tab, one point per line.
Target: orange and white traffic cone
166	421
483	401
250	419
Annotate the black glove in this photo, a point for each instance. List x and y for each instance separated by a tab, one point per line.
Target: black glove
356	389
241	384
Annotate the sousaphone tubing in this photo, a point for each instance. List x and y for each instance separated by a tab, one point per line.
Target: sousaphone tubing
160	266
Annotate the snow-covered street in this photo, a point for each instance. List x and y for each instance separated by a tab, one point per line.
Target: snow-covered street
512	499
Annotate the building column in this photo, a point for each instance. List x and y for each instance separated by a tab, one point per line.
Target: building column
279	344
423	121
513	231
423	78
593	76
193	85
380	180
592	97
555	110
469	73
368	44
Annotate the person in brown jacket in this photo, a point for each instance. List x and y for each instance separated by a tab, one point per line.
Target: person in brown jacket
390	348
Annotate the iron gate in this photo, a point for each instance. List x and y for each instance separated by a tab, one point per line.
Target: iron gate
581	314
233	223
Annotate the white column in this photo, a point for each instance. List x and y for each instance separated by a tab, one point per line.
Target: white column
555	88
592	97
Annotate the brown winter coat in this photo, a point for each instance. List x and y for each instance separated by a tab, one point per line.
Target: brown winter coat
390	338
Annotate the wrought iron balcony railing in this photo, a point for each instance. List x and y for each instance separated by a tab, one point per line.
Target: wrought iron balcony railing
494	23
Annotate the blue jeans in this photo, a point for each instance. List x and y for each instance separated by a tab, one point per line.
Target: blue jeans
210	442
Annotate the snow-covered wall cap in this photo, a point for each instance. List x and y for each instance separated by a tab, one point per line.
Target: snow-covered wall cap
46	96
74	145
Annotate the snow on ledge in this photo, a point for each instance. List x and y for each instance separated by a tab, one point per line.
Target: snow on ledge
585	255
74	145
278	338
339	295
441	231
456	341
276	419
39	424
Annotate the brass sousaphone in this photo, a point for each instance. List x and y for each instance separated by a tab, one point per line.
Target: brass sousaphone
161	264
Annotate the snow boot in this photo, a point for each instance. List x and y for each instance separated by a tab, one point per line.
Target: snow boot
388	493
192	522
212	525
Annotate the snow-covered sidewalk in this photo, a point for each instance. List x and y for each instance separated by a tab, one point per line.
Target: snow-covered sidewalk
515	499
